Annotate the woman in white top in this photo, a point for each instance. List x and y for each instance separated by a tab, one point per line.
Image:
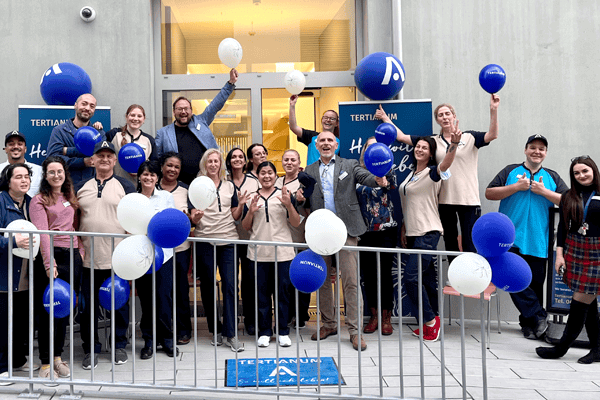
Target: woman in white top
267	220
291	166
170	166
422	226
149	175
235	162
217	221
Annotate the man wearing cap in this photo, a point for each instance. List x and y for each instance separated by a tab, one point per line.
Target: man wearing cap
62	141
526	191
15	147
190	135
98	199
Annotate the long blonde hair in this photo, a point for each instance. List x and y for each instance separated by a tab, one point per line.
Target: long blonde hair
204	161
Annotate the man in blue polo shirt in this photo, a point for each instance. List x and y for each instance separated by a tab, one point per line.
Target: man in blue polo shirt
527	191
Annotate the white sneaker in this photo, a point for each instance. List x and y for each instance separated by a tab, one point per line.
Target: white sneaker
263	341
4	375
285	341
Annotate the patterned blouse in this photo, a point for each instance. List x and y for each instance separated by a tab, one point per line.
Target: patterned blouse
376	205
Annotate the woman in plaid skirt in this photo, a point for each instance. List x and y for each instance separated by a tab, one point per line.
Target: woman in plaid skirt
578	258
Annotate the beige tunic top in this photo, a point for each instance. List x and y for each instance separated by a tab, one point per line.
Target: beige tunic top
293	186
463	188
218	221
419	195
180	195
143	141
270	223
250	185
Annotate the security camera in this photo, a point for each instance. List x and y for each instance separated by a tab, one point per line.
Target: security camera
87	13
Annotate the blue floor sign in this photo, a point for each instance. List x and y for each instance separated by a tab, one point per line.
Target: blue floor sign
287	370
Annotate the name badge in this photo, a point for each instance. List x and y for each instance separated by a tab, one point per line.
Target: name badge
66	203
343	174
198	127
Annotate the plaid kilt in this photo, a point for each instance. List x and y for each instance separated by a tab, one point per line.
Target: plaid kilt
582	263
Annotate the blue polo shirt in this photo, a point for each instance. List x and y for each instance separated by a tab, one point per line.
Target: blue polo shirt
529	211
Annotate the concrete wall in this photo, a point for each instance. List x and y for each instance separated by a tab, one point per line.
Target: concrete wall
115	50
549	52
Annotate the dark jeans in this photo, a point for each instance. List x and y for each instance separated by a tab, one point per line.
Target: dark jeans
530	301
120	317
62	256
182	295
368	267
266	289
164	304
205	253
20	314
429	241
467	216
247	285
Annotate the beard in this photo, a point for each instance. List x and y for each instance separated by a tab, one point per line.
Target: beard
84	118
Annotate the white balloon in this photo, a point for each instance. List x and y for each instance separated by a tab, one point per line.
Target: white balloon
230	52
133	257
294	82
202	192
24	224
470	274
325	232
134	213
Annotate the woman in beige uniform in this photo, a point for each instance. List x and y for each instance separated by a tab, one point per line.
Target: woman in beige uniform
267	219
218	222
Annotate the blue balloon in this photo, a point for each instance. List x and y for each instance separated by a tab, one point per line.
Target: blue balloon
85	139
379	76
510	272
385	133
379	159
308	271
159	259
493	234
63	83
492	78
169	228
121	293
131	156
61	298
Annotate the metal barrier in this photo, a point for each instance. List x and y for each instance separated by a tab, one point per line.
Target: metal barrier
134	382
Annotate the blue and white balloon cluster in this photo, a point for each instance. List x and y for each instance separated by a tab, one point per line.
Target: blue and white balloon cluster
168	228
493	235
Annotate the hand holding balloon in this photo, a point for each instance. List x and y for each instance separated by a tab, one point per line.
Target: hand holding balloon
233	76
293	100
494	102
294	82
382	182
22	240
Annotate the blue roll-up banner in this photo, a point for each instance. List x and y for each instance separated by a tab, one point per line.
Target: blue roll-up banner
357	124
37	122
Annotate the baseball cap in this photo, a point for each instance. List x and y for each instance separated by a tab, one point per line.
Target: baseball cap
537	137
12	134
104	145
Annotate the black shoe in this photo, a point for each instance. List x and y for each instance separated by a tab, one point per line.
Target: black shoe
591	357
528	333
170	351
251	330
146	352
541	327
183	340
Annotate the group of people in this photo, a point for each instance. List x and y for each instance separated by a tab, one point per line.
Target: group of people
74	192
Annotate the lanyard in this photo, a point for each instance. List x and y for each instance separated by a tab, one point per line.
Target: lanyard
587	204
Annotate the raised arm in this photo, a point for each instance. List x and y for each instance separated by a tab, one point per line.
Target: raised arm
293	124
400	136
219	101
492	134
455	137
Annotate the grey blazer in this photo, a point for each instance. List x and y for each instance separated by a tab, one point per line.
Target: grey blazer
346	202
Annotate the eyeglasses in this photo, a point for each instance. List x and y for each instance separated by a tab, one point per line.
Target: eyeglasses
180	109
332	119
579	158
55	173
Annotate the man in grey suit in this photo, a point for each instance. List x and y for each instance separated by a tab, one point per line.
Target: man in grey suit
336	191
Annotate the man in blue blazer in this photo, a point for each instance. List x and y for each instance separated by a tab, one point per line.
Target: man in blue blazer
190	135
336	191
